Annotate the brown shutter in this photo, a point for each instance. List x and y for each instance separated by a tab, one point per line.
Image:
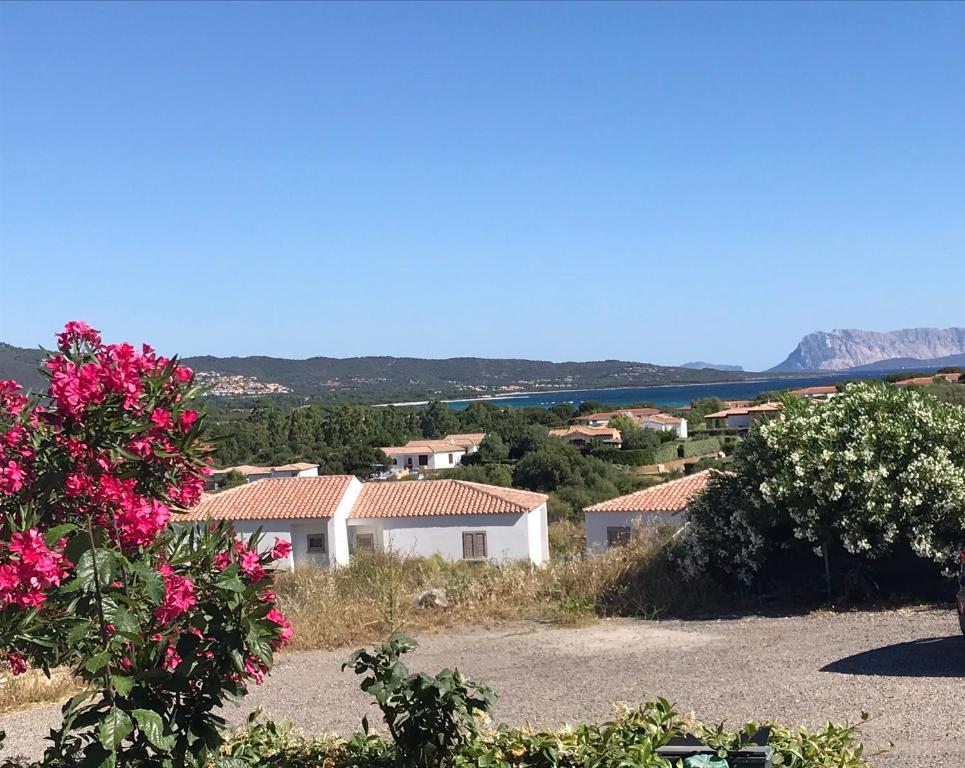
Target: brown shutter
480	545
467	546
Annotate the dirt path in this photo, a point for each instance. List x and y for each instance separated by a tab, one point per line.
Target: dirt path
905	668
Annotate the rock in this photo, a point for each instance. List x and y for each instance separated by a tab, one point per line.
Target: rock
432	598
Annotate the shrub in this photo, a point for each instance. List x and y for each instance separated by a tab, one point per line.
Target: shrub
632	458
428	717
159	625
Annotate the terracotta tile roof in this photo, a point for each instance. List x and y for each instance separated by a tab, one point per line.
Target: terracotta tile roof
277	498
460	442
591	432
673	496
248	469
925	380
607	415
421	498
808	391
423	446
762	408
663	418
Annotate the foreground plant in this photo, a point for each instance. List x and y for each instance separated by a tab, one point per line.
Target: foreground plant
162	624
429	717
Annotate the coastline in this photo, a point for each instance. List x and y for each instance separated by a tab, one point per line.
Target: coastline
516	395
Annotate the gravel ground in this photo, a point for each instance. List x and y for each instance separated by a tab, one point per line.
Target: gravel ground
905	668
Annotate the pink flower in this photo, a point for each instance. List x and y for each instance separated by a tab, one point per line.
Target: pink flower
31	569
183	374
186	420
140	520
178	595
281	550
255	668
275	616
222	560
79	332
11	478
18	664
161	418
251	565
171	658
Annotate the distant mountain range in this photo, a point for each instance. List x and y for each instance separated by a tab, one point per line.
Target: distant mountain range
849	349
387	379
702	366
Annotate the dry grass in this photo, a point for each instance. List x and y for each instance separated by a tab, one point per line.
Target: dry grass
33	687
374	595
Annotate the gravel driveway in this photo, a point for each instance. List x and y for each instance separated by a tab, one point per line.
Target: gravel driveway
905	668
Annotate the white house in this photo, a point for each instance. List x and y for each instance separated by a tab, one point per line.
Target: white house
445	453
251	473
663	422
326	518
611	522
602	419
740	419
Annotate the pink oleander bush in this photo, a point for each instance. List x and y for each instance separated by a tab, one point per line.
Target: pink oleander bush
162	622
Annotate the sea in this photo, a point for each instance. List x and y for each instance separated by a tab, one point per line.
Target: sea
666	396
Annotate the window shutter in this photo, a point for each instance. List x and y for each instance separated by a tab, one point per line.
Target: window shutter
467	546
480	544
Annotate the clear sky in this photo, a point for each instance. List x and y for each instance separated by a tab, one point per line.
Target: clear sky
565	182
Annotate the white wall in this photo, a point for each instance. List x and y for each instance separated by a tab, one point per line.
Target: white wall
596	524
507	536
436	460
539	544
270	530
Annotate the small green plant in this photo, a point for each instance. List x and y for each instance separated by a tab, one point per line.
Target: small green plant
428	717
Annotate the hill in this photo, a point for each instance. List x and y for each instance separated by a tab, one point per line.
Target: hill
386	379
913	363
846	349
701	366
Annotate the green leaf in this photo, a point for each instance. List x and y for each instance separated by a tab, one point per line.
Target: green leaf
55	534
151	582
77	632
115	727
123	621
122	684
104	562
152	726
97	662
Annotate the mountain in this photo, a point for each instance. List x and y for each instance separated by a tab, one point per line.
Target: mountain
701	366
913	364
385	379
848	348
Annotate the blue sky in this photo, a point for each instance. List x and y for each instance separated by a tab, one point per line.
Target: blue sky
566	182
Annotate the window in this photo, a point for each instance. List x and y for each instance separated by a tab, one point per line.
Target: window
395	461
316	542
617	535
450	458
365	541
474	546
408	462
423	460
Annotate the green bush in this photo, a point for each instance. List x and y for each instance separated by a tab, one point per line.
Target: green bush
700	447
666	452
630	739
632	458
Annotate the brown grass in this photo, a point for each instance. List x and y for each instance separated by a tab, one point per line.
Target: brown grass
374	595
33	687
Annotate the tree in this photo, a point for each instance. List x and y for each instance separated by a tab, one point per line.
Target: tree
864	469
437	420
546	469
492	450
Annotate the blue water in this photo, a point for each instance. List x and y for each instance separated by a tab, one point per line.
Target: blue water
668	396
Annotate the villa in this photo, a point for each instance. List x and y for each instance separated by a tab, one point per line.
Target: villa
252	473
816	393
602	419
421	455
583	435
663	422
327	518
740	419
610	523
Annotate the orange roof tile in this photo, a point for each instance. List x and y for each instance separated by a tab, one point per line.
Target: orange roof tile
672	496
421	498
663	418
609	432
762	408
279	498
807	391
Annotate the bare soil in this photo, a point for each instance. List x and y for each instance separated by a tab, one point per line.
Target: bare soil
905	668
